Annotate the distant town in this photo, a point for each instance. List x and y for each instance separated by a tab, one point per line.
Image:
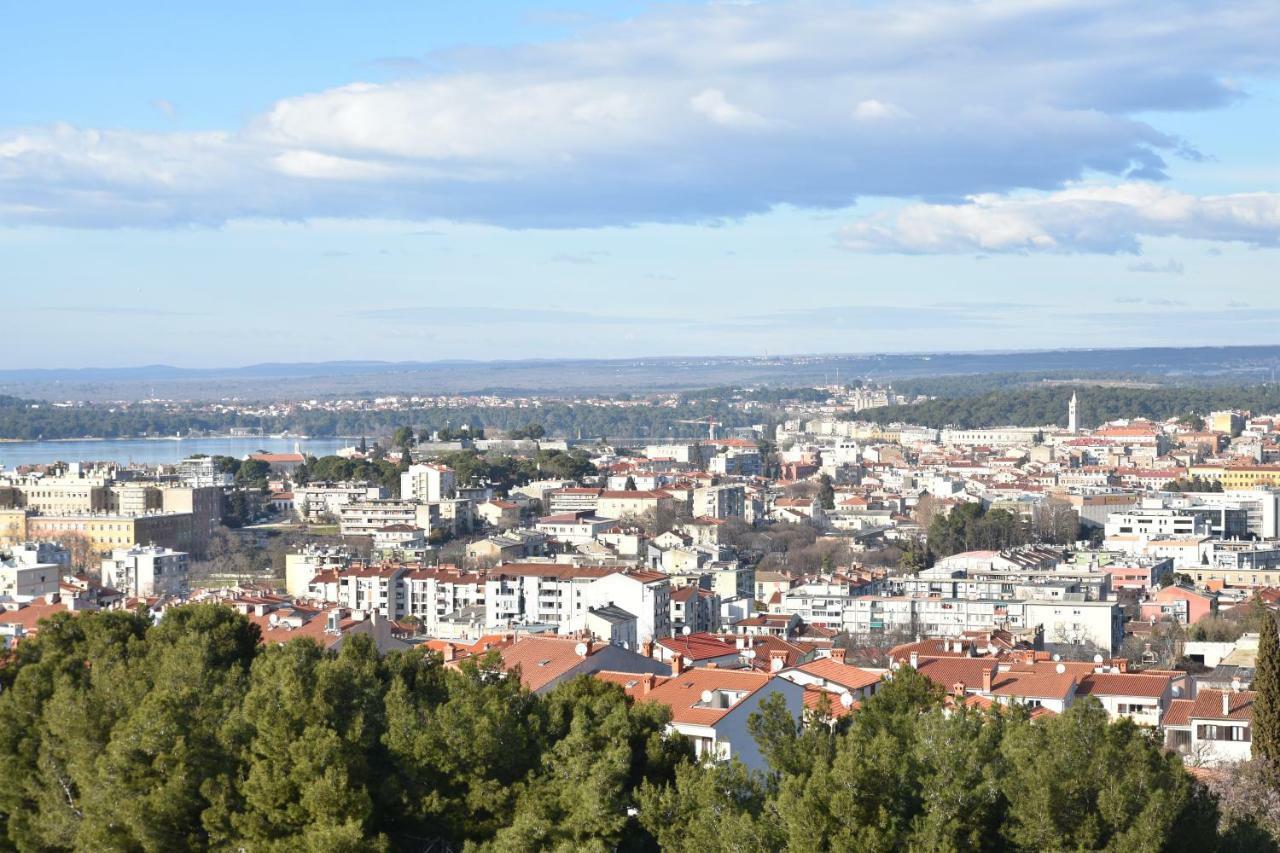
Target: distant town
807	555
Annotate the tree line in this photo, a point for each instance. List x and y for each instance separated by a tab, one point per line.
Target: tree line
187	734
29	420
1044	406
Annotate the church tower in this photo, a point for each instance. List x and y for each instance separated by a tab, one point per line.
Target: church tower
1072	425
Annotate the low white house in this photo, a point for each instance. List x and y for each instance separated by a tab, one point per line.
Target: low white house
1214	728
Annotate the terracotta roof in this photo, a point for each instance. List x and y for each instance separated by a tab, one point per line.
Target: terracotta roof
29	616
699	646
814	695
1179	713
1208	705
543	659
950	671
1033	684
840	674
559	571
683	693
1124	684
278	457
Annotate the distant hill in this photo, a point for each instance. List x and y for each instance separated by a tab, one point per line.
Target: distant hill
572	376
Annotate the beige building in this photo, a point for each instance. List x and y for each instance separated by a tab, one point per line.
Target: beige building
106	532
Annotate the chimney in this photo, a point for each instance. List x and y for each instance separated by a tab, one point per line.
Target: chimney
448	652
837	655
649	681
677	665
915	660
1226	703
777	660
646	648
958	689
713	665
988	674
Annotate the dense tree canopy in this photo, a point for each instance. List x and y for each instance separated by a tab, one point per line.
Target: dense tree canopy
116	733
1044	405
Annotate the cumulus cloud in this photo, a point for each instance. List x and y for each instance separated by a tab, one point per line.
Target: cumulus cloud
687	113
1096	219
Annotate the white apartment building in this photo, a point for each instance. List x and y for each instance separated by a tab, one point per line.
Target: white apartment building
725	501
31	570
315	500
365	517
646	595
427	481
1156	522
1062	621
573	528
431	594
145	570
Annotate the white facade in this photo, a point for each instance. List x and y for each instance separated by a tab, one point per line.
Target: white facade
428	482
143	571
643	594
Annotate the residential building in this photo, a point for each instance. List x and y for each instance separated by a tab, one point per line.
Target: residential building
146	571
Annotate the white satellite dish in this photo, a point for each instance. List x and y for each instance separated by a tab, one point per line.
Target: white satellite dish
707	696
749	654
1060	668
1057	657
1177	691
580	650
1097	658
1235	684
846	699
686	630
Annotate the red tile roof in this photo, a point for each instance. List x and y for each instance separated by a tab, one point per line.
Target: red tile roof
543	659
839	674
1124	684
1208	705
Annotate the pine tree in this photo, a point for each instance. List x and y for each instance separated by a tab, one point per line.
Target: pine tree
1266	701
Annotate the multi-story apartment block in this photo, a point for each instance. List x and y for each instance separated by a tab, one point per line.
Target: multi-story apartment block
144	571
428	481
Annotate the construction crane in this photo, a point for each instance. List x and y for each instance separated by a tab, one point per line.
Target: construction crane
708	422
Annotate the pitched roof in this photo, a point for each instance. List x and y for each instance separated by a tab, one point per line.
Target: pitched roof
699	646
1208	705
544	659
683	693
1179	713
1124	684
840	674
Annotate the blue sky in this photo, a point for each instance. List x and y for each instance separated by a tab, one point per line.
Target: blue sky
297	181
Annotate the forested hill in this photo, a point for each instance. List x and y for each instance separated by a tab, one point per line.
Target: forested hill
30	420
1046	405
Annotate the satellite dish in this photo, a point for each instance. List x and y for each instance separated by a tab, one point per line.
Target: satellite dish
1057	657
1177	691
1060	668
1235	684
707	696
1097	658
749	654
846	699
580	650
686	630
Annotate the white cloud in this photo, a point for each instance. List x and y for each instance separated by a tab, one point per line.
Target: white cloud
713	104
873	110
1099	219
688	113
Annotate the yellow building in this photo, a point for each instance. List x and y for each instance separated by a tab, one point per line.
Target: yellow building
107	532
1250	477
13	526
